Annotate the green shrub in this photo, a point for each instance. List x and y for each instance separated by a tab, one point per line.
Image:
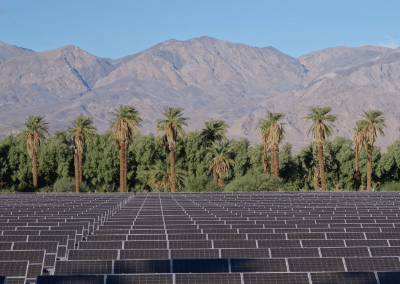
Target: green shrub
390	186
254	181
46	189
202	183
64	184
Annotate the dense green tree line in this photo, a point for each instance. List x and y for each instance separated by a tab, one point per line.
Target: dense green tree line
147	158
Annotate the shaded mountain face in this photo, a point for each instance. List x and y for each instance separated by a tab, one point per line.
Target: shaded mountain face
210	78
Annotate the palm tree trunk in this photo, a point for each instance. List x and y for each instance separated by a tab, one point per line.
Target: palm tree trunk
80	166
76	165
126	167
321	164
215	175
121	165
316	177
357	171
272	161
265	159
357	175
221	181
369	168
276	150
34	169
172	159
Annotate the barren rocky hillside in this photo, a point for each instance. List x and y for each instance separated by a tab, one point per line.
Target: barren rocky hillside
208	77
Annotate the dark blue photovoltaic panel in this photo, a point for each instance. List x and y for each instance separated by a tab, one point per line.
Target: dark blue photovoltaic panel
200	266
75	279
344	277
142	266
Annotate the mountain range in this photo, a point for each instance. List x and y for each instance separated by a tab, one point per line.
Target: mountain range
209	78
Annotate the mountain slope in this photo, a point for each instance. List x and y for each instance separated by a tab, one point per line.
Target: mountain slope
208	77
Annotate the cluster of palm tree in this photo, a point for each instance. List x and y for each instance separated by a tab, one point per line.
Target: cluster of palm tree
321	128
125	123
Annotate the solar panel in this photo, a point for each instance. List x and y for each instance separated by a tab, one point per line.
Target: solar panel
75	267
68	279
323	243
34	270
220	278
276	278
3	279
388	277
14	269
373	264
294	252
190	244
50	247
315	264
366	243
100	245
104	238
91	254
144	254
343	277
151	279
200	265
146	245
278	243
258	265
142	266
345	252
194	253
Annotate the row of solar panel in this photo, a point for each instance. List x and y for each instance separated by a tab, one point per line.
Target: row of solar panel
74	267
233	278
105	252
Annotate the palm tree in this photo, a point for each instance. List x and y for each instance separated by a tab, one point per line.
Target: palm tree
160	176
81	131
359	142
274	136
221	160
34	133
124	124
371	124
171	127
321	129
264	125
215	130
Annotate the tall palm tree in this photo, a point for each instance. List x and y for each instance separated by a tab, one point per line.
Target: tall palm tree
321	129
124	125
359	142
272	134
371	124
171	127
81	131
274	137
264	125
221	160
215	130
34	133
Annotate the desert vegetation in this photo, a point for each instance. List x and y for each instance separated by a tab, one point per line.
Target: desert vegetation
122	159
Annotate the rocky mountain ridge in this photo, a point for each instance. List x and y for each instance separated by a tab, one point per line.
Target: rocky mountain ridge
208	77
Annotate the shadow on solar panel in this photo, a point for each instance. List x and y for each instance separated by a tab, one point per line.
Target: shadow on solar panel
75	279
345	277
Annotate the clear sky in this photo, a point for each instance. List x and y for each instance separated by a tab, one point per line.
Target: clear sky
117	28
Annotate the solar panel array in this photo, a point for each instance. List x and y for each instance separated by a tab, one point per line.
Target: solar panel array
334	237
36	230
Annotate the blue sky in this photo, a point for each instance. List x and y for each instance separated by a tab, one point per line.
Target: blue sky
116	28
